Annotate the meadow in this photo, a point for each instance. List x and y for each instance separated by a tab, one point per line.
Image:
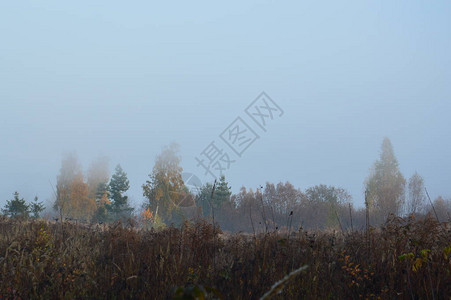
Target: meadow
403	259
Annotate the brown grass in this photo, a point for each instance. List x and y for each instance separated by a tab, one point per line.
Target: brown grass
405	258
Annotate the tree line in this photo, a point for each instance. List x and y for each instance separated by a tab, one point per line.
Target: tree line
95	197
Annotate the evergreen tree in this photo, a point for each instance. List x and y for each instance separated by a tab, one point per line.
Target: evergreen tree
222	192
16	207
119	184
203	199
36	207
221	195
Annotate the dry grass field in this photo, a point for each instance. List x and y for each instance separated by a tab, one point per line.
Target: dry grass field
405	258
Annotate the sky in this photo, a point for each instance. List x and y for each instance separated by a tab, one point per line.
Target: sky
124	79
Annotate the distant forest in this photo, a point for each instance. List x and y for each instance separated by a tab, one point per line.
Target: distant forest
98	198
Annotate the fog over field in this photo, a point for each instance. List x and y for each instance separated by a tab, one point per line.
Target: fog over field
123	80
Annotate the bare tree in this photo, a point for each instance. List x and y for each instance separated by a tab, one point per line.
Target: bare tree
416	197
442	209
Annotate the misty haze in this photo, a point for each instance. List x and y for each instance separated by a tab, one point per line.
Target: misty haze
189	150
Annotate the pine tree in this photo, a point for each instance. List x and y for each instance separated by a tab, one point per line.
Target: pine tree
36	207
222	192
221	195
16	207
119	184
203	199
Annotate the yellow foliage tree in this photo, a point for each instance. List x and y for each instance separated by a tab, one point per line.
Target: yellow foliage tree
165	189
82	206
72	193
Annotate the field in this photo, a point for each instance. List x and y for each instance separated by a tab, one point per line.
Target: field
405	258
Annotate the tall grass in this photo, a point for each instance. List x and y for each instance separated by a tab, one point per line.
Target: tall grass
409	259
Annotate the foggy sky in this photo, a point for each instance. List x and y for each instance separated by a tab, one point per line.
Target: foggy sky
123	80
